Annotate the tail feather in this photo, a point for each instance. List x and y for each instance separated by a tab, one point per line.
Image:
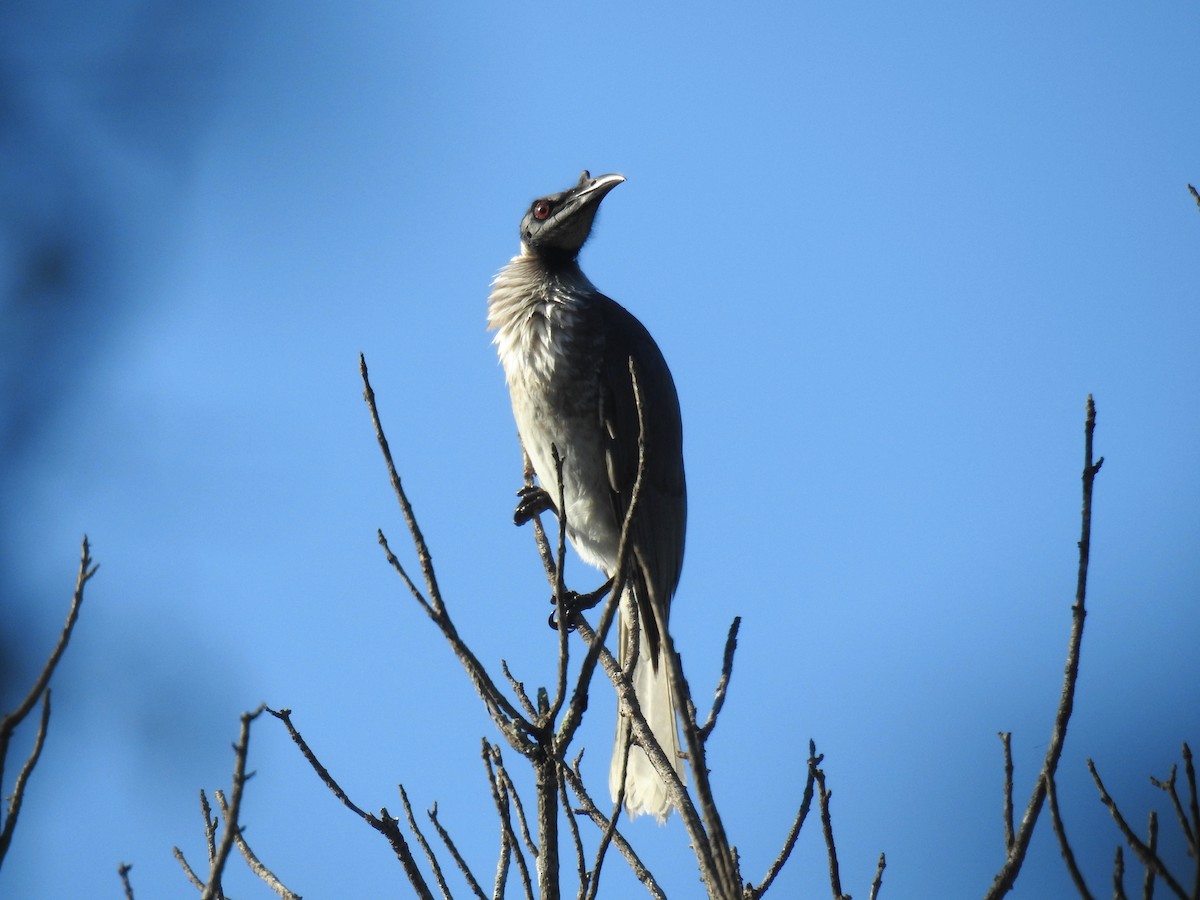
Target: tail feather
645	792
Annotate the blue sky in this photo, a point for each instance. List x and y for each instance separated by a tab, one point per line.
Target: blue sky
887	250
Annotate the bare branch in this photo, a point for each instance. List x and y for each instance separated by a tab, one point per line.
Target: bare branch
576	839
1007	875
593	812
210	826
187	869
1148	858
18	794
723	682
519	690
459	861
212	890
610	827
823	797
429	855
1064	846
511	789
1119	876
385	824
1195	194
123	871
1194	808
256	866
511	723
878	882
9	723
1006	740
423	556
39	690
1185	826
1152	845
508	839
805	804
560	597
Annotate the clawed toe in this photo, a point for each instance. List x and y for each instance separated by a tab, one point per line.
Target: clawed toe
534	501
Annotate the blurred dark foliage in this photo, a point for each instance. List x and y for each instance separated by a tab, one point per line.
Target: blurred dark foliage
102	107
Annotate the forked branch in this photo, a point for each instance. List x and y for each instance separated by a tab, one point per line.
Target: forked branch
39	691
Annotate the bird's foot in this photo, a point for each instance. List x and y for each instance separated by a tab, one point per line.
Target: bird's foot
534	501
575	602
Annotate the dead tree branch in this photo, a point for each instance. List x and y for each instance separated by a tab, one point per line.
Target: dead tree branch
544	729
269	878
1064	845
385	824
1015	857
1146	854
790	841
823	798
39	691
126	885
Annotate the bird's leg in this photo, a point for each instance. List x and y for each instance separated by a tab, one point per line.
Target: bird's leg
534	501
574	602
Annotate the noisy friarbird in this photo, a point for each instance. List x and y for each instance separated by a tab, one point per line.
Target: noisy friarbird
566	350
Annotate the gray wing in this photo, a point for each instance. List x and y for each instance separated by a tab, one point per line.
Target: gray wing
660	521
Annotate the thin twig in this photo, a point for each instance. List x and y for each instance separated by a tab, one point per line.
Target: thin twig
1064	845
805	804
878	882
1194	808
212	889
1152	844
123	871
1195	194
511	723
256	865
210	826
545	553
187	869
423	556
1119	875
576	839
560	598
1006	741
823	797
9	723
1015	857
593	812
723	682
458	859
385	823
1148	858
509	842
518	689
1185	827
18	794
429	855
511	788
610	827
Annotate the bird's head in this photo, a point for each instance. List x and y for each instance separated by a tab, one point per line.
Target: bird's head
556	227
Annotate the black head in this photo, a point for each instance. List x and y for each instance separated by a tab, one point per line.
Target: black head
556	226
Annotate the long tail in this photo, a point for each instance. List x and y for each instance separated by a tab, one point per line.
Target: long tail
645	792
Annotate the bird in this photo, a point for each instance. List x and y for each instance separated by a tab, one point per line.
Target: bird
566	350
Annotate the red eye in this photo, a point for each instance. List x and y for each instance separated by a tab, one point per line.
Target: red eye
541	209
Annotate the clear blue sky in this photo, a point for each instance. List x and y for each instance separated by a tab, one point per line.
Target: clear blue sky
887	250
